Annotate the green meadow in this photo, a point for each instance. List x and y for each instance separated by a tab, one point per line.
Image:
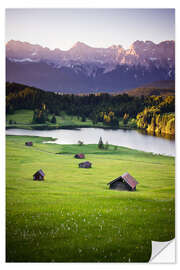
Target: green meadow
72	216
23	119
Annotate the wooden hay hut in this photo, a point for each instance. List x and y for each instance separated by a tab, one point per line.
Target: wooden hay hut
28	143
124	182
79	156
39	175
86	164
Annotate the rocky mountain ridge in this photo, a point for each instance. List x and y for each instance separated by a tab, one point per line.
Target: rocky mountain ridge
88	68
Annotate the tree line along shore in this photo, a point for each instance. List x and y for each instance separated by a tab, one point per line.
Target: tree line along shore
154	114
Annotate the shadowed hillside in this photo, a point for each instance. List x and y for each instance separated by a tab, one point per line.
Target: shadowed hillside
158	88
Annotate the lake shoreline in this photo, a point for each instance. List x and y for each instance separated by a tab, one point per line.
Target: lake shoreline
70	127
127	138
52	141
79	127
22	119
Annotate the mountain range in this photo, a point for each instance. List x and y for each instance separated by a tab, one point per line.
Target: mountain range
84	69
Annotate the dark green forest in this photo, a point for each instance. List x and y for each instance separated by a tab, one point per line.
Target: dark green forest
155	114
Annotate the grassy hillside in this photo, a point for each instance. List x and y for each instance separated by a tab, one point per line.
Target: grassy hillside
23	119
72	216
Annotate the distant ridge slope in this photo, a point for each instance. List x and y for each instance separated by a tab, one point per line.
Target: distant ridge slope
158	88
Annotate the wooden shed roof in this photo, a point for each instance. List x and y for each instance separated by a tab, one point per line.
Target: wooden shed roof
86	162
40	172
127	178
81	155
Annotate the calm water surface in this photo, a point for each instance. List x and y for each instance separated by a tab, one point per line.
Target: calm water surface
128	138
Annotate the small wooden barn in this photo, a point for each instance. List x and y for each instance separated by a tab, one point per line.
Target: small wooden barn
39	175
124	182
28	143
79	156
86	164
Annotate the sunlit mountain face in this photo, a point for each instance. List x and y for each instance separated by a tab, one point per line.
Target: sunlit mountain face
86	69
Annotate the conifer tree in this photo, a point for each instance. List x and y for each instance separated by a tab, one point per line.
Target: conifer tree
100	144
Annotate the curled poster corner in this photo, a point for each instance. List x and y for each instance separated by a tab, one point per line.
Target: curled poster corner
163	252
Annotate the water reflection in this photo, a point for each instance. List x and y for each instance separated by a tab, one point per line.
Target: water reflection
161	135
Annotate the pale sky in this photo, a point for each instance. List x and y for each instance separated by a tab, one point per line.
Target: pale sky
62	28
